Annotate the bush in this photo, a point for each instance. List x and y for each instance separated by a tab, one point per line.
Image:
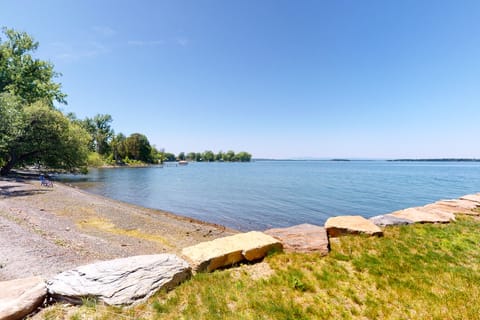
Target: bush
95	160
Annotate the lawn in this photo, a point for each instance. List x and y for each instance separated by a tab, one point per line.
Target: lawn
429	271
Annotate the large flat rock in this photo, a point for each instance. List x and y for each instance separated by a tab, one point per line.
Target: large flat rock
121	281
341	225
20	297
424	215
460	206
389	220
210	255
472	197
302	238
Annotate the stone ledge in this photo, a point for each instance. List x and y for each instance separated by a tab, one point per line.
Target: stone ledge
210	255
20	297
341	225
302	238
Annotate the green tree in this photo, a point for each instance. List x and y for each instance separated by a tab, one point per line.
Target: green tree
22	75
243	156
100	131
138	148
219	156
208	156
191	156
181	156
118	147
229	156
198	157
32	129
43	135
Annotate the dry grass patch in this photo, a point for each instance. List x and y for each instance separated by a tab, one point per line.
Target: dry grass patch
107	226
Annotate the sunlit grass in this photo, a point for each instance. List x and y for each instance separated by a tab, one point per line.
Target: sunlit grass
413	272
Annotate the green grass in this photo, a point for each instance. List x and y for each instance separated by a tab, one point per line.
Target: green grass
413	272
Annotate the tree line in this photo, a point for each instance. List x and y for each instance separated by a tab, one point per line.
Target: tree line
209	156
33	131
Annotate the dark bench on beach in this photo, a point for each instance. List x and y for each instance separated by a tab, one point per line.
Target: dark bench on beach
45	182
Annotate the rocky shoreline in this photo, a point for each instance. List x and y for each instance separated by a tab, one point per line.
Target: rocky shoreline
44	231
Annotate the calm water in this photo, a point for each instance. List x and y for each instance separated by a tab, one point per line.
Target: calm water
264	194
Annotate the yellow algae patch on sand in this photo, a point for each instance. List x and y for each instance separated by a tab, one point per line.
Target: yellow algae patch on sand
107	226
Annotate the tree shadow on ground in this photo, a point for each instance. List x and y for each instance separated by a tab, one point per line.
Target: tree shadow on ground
9	191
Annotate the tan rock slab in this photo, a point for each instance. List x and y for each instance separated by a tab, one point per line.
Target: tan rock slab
210	255
302	238
341	225
422	215
20	297
471	197
461	206
440	211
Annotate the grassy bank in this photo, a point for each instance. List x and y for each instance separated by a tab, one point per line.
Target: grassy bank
413	272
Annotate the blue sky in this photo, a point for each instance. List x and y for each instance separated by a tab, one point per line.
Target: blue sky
280	79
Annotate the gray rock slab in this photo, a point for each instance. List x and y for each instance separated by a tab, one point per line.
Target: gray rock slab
341	225
20	297
121	281
210	255
302	238
389	220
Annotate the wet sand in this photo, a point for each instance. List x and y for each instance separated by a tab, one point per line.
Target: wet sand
44	230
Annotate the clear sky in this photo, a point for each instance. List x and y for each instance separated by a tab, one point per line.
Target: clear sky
280	79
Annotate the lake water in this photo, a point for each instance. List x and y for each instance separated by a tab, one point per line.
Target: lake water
265	194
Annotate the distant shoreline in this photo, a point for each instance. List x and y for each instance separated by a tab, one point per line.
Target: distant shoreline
389	160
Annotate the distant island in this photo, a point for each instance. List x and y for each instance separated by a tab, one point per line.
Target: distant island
438	160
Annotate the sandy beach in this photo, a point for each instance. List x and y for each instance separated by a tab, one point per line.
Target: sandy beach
44	230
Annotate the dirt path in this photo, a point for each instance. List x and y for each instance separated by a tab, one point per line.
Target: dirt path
44	231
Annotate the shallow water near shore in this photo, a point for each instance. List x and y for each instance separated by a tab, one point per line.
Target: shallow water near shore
265	194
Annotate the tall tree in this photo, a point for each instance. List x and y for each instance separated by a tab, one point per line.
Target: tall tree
138	147
32	129
100	131
22	75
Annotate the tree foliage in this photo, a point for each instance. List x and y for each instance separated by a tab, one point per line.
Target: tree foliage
40	134
23	76
101	132
32	130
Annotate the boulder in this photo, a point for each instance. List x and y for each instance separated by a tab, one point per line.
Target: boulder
420	215
20	297
341	225
460	206
389	220
121	281
302	238
471	197
210	255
